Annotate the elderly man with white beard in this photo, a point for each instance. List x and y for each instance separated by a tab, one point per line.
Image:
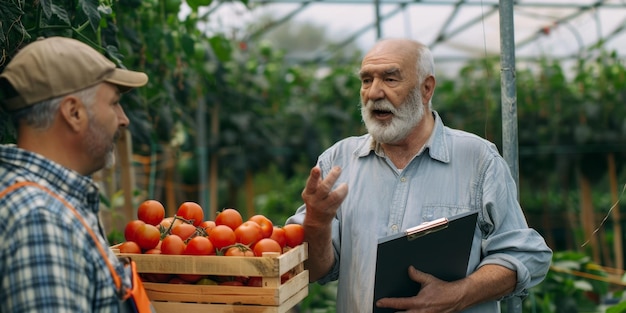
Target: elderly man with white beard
409	169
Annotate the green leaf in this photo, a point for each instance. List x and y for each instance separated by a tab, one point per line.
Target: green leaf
90	8
114	55
61	13
221	47
619	308
187	44
194	4
46	7
105	10
11	13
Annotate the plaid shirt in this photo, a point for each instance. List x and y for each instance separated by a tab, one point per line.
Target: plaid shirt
48	261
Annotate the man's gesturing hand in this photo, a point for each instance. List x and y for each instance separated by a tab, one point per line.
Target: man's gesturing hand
321	201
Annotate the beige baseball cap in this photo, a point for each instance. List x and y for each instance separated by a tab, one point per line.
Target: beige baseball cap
56	66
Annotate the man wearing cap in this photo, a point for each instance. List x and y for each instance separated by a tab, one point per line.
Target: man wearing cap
64	99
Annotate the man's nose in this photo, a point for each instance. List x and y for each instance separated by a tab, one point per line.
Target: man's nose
376	92
121	116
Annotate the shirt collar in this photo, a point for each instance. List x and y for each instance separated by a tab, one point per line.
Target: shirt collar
437	146
51	174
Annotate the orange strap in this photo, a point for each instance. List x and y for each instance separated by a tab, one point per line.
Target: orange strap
116	278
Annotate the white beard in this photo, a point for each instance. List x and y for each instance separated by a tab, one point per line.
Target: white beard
405	118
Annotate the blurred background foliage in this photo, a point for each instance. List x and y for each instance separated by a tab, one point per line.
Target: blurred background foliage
231	120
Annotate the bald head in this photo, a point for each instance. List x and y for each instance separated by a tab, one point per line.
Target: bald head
411	52
399	46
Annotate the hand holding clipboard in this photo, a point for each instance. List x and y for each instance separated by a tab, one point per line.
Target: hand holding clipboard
440	248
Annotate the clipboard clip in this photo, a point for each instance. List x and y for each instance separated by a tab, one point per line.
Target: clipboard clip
426	228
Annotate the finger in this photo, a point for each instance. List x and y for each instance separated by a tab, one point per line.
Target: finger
338	195
394	303
418	276
329	181
313	181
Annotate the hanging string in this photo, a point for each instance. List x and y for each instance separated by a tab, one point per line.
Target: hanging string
605	218
482	20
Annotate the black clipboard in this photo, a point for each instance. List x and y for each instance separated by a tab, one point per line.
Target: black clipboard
440	247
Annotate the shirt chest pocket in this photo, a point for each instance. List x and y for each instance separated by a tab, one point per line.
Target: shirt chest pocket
433	212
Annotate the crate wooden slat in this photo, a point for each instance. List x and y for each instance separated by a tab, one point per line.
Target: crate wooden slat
220	265
218	294
186	307
272	296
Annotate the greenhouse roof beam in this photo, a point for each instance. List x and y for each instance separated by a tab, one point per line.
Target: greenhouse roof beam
563	21
282	20
451	3
450	19
443	37
355	35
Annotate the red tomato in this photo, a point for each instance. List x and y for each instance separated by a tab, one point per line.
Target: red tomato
147	236
239	250
184	231
278	234
248	233
151	211
192	212
200	246
232	283
294	233
222	236
166	223
131	229
172	245
153	251
266	224
255	281
266	245
129	247
191	278
285	277
207	226
229	217
156	277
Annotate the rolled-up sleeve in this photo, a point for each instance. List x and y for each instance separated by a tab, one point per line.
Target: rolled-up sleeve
507	239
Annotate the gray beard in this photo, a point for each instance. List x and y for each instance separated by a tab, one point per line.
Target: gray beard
99	146
405	118
109	161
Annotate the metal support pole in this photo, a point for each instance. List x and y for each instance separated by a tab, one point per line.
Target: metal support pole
379	32
507	86
509	107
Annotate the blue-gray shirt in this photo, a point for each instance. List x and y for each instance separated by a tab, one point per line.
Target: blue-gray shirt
455	172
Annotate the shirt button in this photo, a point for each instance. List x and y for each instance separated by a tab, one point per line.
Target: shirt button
394	227
403	179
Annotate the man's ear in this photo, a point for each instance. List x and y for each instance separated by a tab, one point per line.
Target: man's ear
73	113
428	88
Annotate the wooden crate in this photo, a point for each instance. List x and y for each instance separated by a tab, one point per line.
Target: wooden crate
272	296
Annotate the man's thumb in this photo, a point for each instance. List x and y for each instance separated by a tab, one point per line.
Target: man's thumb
417	275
